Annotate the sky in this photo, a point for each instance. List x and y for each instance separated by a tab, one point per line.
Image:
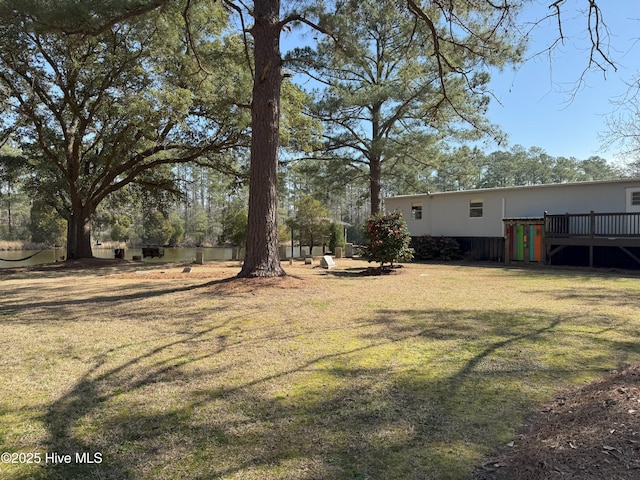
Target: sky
545	104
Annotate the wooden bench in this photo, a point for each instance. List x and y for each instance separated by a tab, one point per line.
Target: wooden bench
152	252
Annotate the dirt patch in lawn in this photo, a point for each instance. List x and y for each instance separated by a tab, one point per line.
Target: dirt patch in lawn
589	433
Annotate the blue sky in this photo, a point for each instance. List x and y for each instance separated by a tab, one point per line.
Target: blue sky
542	104
538	104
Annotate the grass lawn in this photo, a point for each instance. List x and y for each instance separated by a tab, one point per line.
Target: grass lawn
320	375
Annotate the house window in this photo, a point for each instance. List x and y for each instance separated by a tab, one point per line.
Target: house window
475	208
416	212
635	198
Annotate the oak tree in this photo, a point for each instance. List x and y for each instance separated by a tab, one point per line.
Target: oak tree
98	106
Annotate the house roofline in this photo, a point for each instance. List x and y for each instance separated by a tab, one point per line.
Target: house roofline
519	187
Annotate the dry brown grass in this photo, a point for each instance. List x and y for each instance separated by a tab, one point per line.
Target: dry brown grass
20	245
319	375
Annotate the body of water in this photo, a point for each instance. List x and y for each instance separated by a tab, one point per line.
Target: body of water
36	257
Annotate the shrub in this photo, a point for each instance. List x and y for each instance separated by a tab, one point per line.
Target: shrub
336	236
435	248
387	239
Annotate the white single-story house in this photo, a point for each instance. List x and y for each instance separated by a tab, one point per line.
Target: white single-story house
477	218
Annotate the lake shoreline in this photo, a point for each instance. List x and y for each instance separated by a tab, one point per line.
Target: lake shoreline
23	258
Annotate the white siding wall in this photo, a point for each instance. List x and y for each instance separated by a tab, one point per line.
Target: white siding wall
571	198
447	214
403	204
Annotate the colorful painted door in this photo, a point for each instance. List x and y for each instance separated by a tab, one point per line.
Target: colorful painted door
535	243
519	237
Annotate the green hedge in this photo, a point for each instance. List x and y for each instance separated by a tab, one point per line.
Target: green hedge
435	248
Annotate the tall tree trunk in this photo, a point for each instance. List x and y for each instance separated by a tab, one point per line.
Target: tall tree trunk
375	160
261	258
375	174
72	239
79	234
10	219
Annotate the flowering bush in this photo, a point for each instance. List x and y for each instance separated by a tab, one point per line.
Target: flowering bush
387	239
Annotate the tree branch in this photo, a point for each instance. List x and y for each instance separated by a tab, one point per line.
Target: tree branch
437	53
299	18
190	41
85	29
238	10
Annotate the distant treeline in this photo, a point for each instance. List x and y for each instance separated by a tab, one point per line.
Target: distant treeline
467	169
210	207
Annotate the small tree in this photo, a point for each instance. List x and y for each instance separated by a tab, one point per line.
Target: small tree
157	229
234	226
177	231
45	225
336	236
387	239
311	221
119	232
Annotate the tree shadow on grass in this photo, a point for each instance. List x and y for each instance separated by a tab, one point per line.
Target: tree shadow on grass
114	441
48	299
595	296
413	394
363	272
381	423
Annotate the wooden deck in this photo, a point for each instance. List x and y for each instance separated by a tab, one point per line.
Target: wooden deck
591	230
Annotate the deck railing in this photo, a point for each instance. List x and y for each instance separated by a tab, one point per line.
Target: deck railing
592	225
